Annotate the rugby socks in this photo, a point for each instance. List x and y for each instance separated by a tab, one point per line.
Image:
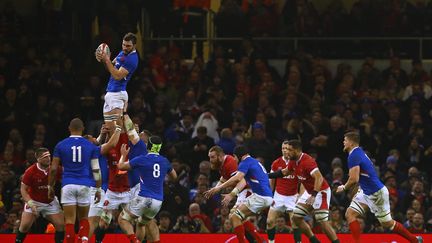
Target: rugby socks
99	234
250	228
355	230
240	232
297	235
399	229
271	233
132	238
59	236
20	236
70	233
84	229
313	239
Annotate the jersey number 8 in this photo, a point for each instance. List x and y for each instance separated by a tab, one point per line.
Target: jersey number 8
156	170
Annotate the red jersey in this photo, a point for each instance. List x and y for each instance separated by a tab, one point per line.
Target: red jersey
37	180
288	185
229	167
303	168
117	180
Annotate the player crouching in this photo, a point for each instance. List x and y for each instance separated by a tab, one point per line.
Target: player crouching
34	191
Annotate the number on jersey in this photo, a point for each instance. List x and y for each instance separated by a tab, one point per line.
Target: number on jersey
76	154
156	170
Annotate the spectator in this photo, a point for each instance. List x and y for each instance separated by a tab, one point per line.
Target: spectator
165	222
417	225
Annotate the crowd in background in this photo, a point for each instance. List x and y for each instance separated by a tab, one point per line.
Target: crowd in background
226	102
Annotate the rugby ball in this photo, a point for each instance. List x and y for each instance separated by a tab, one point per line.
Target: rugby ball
103	48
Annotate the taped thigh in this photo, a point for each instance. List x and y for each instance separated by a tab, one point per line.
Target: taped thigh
300	211
321	215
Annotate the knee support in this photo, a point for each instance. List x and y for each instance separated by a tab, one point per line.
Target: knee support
110	118
386	217
357	208
321	215
300	211
126	216
142	220
106	216
239	214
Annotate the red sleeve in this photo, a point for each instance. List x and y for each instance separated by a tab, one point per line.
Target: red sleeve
310	165
26	179
230	168
274	166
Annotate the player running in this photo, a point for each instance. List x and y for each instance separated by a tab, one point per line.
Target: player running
152	168
372	195
316	198
121	69
227	167
79	158
256	176
34	191
285	196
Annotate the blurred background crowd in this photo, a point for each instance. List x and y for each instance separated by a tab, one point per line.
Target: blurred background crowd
48	75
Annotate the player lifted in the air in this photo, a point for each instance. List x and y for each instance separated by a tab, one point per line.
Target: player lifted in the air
121	69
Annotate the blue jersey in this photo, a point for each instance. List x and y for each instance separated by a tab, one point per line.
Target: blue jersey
369	181
130	63
136	150
75	154
256	176
103	165
152	170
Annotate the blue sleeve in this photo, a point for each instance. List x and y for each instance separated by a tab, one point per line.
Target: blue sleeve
244	167
354	159
134	163
139	148
96	152
56	152
169	166
131	63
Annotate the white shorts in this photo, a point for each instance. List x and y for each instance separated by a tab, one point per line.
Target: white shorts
144	207
45	209
134	191
115	100
284	203
113	200
241	197
75	195
96	208
322	199
256	203
378	203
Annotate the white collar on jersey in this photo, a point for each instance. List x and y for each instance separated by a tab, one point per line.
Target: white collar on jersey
285	160
352	150
152	153
39	168
299	158
75	136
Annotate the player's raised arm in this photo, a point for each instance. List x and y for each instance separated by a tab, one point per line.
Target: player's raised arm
123	164
106	147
